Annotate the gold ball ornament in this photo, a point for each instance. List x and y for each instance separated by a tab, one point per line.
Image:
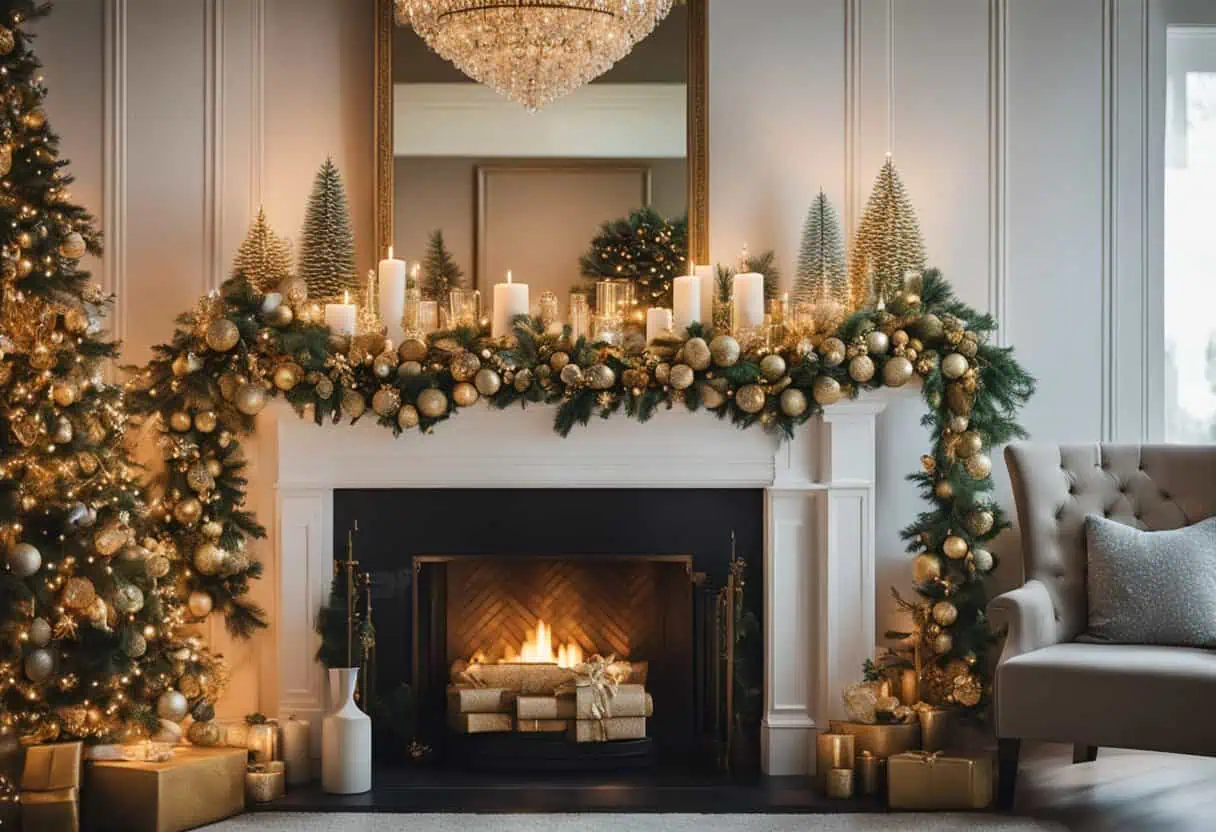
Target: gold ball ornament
772	366
280	316
926	568
522	381
432	403
955	365
39	664
206	421
750	398
487	381
942	644
209	559
353	404
63	431
711	397
35	119
199	479
39	632
825	390
250	399
23	559
98	614
129	599
982	559
385	401
213	529
409	369
287	375
899	338
65	393
311	312
73	246
135	645
897	371
180	421
793	402
295	290
412	349
465	394
954	547
172	706
8	41
930	327
205	734
384	365
969	444
725	350
229	383
464	366
188	511
571	375
6	159
600	377
697	354
877	342
78	593
979	466
681	377
200	604
186	363
407	417
157	566
41	357
945	613
861	369
662	373
980	522
833	352
943	490
222	335
559	360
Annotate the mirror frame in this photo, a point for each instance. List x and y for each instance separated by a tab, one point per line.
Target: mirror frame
697	128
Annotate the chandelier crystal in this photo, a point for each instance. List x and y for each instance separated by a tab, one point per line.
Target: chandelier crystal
532	51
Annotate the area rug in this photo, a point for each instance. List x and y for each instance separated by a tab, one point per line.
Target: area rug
351	822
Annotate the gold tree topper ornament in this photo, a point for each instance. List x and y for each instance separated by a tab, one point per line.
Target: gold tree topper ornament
888	243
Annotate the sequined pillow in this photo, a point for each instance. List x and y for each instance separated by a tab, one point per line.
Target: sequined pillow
1151	587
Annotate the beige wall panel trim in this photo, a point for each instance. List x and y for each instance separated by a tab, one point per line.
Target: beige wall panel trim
998	265
114	160
213	144
1110	196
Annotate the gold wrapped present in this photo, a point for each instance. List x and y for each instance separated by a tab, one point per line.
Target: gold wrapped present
542	726
50	787
933	780
196	787
604	730
881	740
527	679
265	782
480	723
545	707
464	700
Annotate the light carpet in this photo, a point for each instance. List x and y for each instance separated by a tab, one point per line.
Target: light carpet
353	822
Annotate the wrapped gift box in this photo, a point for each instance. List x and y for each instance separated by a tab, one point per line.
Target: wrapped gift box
604	730
545	707
480	723
464	700
882	740
527	679
627	701
50	787
935	780
196	787
542	726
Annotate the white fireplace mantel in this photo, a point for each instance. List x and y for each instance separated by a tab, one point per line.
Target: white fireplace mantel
819	620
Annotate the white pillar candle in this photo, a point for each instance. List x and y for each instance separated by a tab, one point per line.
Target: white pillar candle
392	295
686	302
707	275
748	295
510	300
658	323
340	317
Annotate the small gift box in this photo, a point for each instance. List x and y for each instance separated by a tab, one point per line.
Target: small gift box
265	782
542	726
545	707
480	723
480	700
50	787
883	739
933	780
612	728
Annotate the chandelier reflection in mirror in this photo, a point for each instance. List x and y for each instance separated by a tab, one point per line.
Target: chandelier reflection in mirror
532	51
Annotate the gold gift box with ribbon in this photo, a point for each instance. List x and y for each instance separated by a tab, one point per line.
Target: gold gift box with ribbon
936	780
881	739
50	787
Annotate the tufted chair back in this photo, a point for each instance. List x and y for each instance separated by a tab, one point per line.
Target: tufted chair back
1151	487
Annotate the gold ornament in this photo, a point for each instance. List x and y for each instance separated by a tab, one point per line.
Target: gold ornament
199	479
205	734
412	349
280	316
487	381
432	403
681	377
954	547
250	399
135	645
954	365
979	466
188	511
6	159
384	365
464	366
930	327
943	489
41	357
635	379
861	369
600	377
522	381
129	599
980	522
311	312
969	444
772	366
711	397
942	643
229	383
73	246
887	243
877	342
662	373
78	593
825	390
982	559
897	371
559	360
295	290
407	417
899	338
65	393
213	529
180	421
222	335
287	375
35	119
926	568
958	424
945	613
39	632
353	404
793	402
199	604
209	559
23	559
8	41
464	394
958	400
409	369
968	346
205	421
750	398
109	540
385	401
157	566
697	354
571	375
833	352
172	706
725	350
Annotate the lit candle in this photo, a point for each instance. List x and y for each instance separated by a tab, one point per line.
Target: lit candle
510	300
392	296
707	275
686	302
748	297
658	323
340	317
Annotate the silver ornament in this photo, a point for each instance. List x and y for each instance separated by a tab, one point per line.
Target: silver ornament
877	342
600	377
384	365
772	366
725	350
23	560
983	559
571	375
40	632
39	664
487	381
81	516
172	706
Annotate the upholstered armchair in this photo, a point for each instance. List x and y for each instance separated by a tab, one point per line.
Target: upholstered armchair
1052	687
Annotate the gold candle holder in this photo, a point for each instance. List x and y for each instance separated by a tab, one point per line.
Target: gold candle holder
909	687
833	751
867	773
264	782
840	783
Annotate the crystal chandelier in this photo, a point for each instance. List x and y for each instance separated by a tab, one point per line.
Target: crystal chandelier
532	51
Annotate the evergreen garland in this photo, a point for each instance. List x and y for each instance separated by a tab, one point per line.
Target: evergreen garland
264	257
327	247
643	247
821	269
440	273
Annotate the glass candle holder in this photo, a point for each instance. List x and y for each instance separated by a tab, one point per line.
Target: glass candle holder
608	329
428	314
615	298
464	307
580	315
548	308
411	318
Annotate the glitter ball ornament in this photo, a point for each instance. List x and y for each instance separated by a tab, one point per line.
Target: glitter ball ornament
825	390
432	403
969	444
522	381
464	394
600	377
571	375
662	373
287	375
772	366
180	421
407	417
250	399
65	393
861	369
73	246
212	529
222	335
930	327
943	490
203	711
697	354
205	734
157	566
559	360
711	397
412	349
409	369
353	404
681	377
832	351
39	664
205	421
980	522
199	603
39	632
294	290
945	613
897	371
464	366
954	365
78	593
76	320
385	401
979	466
750	398
954	547
199	479
487	381
8	41
982	559
135	645
942	644
6	159
725	350
23	559
209	559
280	316
188	511
129	599
877	342
959	424
926	568
109	540
793	402
172	705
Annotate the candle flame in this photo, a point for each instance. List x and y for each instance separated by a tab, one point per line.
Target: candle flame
508	275
390	252
414	271
346	296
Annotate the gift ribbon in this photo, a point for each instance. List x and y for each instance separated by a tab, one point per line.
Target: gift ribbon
929	757
602	677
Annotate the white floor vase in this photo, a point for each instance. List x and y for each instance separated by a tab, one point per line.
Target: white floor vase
346	738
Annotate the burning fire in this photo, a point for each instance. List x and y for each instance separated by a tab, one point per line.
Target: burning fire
538	649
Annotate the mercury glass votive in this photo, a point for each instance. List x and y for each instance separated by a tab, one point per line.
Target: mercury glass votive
548	308
580	316
411	318
464	307
428	314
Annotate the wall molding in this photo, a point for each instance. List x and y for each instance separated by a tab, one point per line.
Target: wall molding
257	94
1110	196
114	160
213	144
998	166
852	114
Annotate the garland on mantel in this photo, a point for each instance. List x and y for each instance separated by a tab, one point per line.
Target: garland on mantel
238	347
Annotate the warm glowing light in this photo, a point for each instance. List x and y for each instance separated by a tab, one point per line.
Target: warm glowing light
508	275
538	649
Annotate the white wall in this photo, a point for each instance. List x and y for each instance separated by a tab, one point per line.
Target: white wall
1018	127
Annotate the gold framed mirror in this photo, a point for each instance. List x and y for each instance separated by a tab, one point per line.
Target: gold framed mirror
430	172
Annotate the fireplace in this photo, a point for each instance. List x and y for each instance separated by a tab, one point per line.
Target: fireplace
494	576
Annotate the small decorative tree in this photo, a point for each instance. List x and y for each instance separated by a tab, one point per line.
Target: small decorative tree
440	273
264	257
888	242
327	247
821	271
643	247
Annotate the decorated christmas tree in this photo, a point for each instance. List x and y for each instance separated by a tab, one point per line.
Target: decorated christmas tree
643	247
821	273
327	247
95	596
440	274
264	257
888	243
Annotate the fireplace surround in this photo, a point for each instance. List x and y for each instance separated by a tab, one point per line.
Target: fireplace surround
816	538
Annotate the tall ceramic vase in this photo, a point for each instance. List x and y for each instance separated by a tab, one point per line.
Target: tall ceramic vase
346	738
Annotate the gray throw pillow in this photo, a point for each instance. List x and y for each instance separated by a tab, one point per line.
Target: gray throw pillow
1151	587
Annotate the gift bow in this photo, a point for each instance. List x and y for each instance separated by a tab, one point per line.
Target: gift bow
929	757
603	676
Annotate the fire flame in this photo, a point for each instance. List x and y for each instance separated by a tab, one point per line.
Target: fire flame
538	649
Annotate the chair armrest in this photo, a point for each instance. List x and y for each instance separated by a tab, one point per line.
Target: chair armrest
1029	615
